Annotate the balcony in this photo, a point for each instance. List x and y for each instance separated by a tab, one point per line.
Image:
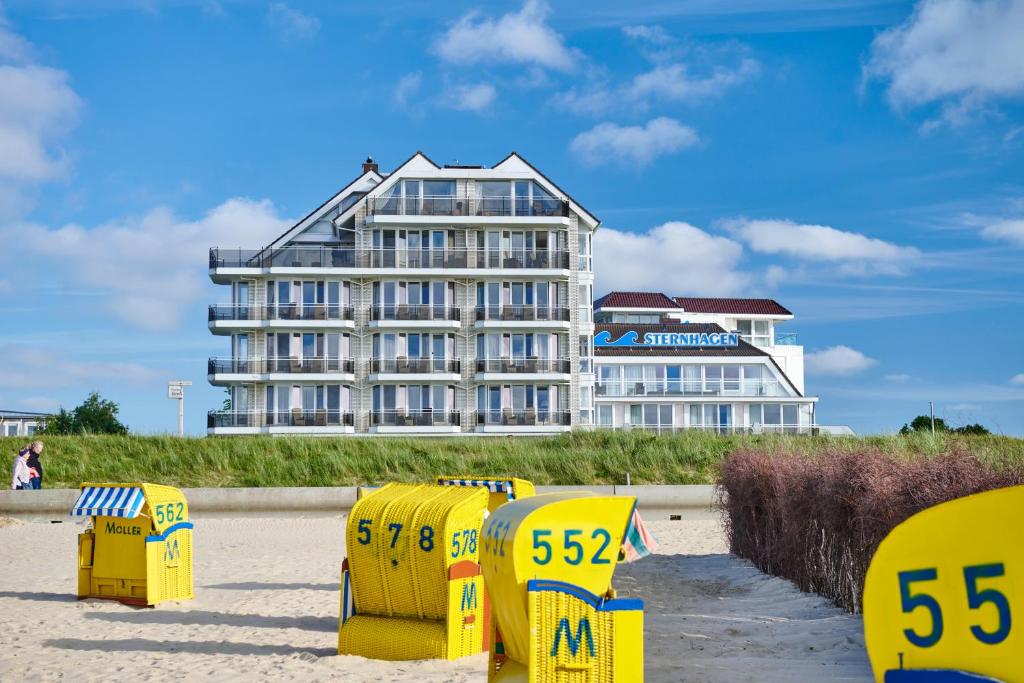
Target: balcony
415	418
523	418
529	366
530	313
415	312
405	366
696	388
285	257
432	257
467	206
278	365
540	259
786	339
283	311
729	428
259	420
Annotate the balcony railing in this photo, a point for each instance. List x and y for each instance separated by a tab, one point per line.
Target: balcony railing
389	257
295	366
285	257
427	257
414	312
746	387
522	258
723	429
296	417
415	418
466	206
523	418
786	338
281	311
415	365
525	313
524	365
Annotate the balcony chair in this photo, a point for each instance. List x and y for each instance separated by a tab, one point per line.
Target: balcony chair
320	419
298	418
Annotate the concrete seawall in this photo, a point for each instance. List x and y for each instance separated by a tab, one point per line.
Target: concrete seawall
689	501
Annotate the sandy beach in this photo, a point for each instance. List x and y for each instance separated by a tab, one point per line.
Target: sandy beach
266	608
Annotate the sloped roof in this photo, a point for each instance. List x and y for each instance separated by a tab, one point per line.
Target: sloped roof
694	304
635	300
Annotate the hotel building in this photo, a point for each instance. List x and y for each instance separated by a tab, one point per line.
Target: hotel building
428	300
458	299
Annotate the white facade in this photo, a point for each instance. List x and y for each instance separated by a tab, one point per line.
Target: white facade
756	386
431	300
17	423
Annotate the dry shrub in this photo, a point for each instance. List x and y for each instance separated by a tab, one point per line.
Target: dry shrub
817	520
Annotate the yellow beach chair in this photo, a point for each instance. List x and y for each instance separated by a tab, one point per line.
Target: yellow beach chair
548	562
139	549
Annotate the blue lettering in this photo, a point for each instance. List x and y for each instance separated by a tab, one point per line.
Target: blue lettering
468	596
583	628
172	551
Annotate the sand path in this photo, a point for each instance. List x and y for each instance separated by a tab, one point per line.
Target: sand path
266	607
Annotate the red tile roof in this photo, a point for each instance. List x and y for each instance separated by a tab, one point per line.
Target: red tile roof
741	306
635	300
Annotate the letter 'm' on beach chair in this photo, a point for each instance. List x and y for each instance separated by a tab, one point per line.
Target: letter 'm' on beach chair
411	584
548	562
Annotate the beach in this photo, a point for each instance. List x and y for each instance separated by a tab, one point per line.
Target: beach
267	601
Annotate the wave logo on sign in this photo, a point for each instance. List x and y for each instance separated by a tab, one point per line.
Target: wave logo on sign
685	339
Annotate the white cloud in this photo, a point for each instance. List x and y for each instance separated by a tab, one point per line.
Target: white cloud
292	24
150	267
674	81
857	254
674	256
840	361
38	108
475	97
634	145
958	53
654	34
1009	230
408	85
1017	379
522	37
33	368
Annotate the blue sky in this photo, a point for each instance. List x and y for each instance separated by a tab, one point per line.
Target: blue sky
861	162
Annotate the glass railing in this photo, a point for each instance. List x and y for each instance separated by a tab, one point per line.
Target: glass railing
296	417
524	313
786	338
281	311
415	365
297	366
525	418
466	206
389	257
284	257
523	365
414	418
522	258
414	312
721	429
427	257
747	387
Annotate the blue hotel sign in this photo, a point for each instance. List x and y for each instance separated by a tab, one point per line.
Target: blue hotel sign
672	339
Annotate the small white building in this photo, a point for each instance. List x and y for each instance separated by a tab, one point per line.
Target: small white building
668	364
18	423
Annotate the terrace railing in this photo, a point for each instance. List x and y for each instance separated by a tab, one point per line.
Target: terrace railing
523	418
524	365
296	417
523	313
415	312
522	258
466	206
415	418
401	365
721	429
284	365
285	257
280	311
683	387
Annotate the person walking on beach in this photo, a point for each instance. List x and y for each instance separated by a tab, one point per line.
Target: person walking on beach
20	476
35	467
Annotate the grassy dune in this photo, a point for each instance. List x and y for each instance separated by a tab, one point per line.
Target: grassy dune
601	457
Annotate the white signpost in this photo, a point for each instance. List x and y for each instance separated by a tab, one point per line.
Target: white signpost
176	390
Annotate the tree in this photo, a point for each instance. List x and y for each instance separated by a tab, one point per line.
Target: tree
972	429
95	415
923	423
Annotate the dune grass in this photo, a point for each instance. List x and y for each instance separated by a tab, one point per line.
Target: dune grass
599	457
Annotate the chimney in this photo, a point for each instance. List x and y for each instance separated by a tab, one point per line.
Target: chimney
370	165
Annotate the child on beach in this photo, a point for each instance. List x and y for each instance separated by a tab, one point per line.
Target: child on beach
21	475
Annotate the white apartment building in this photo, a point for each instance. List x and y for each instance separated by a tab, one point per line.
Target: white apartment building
668	364
428	300
20	423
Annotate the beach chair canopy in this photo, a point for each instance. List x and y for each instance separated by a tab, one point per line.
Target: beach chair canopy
492	485
109	501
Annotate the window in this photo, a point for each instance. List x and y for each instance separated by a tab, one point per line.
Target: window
11	429
604	416
756	332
